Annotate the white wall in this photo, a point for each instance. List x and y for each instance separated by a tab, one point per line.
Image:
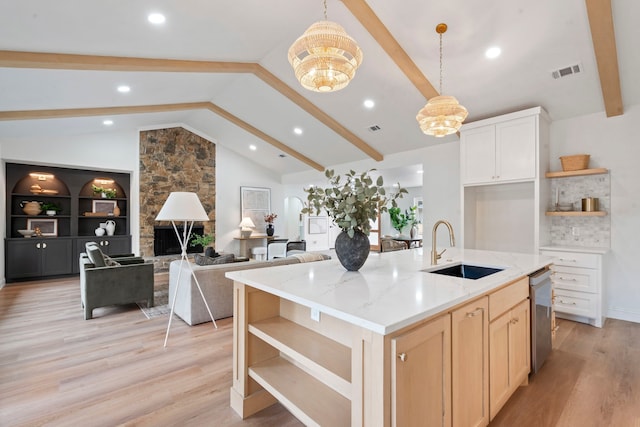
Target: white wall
613	144
232	172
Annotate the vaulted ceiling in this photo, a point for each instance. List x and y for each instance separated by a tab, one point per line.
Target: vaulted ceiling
220	67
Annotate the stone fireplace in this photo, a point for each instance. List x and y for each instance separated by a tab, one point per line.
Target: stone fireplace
174	160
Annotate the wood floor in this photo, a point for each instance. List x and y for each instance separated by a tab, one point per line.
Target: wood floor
57	369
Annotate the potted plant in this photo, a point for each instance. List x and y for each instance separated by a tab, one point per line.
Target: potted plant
203	240
269	220
50	208
399	220
413	221
105	193
352	204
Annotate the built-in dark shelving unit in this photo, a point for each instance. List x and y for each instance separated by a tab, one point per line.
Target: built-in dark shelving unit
75	224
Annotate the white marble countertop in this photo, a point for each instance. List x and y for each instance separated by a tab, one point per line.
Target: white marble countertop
390	291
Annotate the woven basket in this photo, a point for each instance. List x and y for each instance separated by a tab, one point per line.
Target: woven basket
575	163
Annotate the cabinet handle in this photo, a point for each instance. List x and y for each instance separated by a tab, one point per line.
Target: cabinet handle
402	356
568	280
38	245
475	312
44	246
567	260
567	303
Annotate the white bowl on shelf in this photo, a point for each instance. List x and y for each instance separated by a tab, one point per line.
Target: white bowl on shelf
565	207
27	233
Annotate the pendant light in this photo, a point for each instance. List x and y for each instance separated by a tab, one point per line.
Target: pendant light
325	58
443	115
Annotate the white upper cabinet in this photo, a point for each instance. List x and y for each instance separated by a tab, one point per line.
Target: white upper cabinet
499	152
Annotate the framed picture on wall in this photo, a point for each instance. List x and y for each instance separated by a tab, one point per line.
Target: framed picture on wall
48	227
317	225
255	203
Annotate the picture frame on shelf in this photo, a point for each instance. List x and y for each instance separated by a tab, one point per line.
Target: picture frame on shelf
104	206
48	227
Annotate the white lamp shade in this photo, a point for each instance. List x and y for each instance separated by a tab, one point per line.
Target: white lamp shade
246	223
182	206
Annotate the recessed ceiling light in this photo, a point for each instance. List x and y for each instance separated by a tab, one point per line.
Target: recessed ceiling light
156	18
107	122
369	103
123	89
493	52
253	147
297	131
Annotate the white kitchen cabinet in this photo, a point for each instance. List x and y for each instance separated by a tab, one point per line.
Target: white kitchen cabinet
500	152
504	196
577	281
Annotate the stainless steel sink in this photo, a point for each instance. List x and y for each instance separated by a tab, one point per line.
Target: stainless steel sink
466	271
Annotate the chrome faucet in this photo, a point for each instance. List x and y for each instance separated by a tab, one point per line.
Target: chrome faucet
435	256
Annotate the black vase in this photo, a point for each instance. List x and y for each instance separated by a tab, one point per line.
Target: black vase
270	229
352	252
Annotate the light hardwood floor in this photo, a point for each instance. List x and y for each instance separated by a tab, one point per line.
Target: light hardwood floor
57	369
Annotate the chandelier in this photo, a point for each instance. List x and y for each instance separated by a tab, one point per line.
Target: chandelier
443	115
325	58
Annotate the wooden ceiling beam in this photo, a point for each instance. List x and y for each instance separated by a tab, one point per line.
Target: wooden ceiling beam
114	63
370	21
63	61
161	108
604	46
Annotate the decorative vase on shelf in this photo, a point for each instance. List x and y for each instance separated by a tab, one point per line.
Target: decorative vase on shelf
414	232
352	252
111	227
31	208
99	231
116	210
270	229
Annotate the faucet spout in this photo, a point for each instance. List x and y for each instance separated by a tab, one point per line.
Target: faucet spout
435	256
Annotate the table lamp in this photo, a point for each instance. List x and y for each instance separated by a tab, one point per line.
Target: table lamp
183	206
247	227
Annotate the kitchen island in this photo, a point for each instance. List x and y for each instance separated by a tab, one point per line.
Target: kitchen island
387	345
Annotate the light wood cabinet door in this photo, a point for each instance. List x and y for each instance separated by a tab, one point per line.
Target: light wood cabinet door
509	354
470	364
421	375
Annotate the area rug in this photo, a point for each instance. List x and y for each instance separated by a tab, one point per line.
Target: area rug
161	303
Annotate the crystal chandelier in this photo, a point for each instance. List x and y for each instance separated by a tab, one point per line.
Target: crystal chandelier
442	115
325	58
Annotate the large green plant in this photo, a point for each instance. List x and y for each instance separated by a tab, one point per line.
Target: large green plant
351	203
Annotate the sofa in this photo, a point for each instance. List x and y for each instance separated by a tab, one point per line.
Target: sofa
217	289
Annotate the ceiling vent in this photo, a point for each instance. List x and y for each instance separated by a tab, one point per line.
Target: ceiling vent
567	71
374	128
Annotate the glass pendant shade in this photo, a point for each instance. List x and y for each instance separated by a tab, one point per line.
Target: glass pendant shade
442	116
325	58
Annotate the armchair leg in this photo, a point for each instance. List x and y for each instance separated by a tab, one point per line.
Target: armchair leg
88	313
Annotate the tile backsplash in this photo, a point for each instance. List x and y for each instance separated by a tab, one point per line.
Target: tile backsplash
588	231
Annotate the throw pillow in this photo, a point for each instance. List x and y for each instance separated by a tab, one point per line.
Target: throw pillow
222	259
95	254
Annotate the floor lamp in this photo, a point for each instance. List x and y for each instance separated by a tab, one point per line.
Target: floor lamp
183	206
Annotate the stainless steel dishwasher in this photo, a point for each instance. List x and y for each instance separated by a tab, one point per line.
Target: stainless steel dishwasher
540	295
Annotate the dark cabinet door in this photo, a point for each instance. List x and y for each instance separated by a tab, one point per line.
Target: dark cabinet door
23	258
56	257
34	258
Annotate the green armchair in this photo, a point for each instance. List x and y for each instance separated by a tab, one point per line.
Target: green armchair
127	280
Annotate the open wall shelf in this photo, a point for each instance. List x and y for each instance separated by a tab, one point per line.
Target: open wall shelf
582	172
